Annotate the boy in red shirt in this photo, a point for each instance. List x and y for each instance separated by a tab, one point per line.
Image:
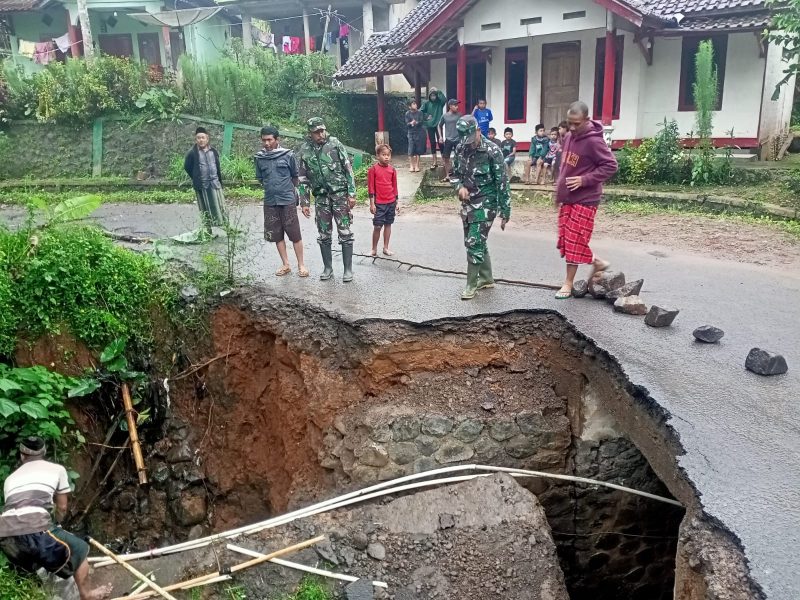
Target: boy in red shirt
383	195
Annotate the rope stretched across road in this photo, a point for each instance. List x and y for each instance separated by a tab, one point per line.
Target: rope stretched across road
400	263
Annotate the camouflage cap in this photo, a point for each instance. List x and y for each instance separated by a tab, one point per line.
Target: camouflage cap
315	124
467	127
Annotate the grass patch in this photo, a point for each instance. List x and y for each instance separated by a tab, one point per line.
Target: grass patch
768	192
18	587
310	589
130	196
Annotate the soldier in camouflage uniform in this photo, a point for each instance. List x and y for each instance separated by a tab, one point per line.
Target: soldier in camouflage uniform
479	176
325	168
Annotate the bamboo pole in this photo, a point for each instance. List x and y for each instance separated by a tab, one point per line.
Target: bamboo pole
138	458
138	574
213	577
303	568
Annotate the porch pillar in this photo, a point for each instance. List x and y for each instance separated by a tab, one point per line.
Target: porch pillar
75	45
306	31
381	104
609	70
86	30
418	88
461	72
168	49
247	30
367	19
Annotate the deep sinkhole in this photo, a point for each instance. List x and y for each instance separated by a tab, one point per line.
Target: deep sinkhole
305	405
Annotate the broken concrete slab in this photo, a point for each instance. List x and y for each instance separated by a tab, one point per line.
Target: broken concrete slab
764	362
631	288
630	305
359	590
660	317
708	334
604	282
580	288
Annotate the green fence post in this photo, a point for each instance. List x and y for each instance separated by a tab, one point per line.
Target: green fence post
358	159
227	139
97	147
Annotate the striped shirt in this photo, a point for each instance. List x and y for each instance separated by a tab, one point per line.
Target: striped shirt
28	494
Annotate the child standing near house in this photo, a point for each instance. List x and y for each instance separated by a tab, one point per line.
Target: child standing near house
483	116
383	196
509	148
416	135
540	145
492	136
553	150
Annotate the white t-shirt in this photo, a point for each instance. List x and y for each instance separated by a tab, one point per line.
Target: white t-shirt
28	493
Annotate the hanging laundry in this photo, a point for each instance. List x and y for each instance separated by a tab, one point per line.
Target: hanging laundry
286	44
344	48
294	45
319	42
44	52
26	48
344	30
327	42
63	43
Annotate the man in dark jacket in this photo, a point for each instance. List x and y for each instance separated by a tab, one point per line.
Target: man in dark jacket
202	165
276	170
586	163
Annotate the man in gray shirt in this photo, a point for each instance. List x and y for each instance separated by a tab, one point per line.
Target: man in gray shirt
449	133
276	169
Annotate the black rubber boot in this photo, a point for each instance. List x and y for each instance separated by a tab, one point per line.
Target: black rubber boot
347	261
485	279
472	282
327	261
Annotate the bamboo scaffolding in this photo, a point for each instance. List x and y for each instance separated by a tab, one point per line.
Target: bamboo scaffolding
138	574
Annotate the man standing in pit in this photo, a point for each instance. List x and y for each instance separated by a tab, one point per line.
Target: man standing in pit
479	176
325	168
28	537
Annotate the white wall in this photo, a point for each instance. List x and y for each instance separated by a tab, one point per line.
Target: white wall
509	13
776	114
741	97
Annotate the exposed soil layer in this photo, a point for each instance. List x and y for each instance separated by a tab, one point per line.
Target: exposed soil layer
306	405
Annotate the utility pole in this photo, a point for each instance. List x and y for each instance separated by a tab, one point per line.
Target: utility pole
327	22
86	30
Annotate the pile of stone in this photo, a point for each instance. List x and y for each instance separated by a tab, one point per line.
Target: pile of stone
611	287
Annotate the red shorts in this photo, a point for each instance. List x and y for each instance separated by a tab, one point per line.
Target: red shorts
575	226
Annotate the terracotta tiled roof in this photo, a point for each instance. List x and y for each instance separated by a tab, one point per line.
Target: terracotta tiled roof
667	8
754	20
383	53
20	5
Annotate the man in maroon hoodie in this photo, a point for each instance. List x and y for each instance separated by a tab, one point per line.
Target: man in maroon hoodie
586	162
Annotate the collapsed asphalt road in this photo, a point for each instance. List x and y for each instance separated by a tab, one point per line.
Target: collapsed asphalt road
740	432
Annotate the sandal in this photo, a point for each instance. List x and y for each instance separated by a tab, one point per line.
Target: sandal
563	293
284	270
303	272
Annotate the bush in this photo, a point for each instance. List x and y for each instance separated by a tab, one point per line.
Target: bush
793	182
75	278
14	586
79	91
237	168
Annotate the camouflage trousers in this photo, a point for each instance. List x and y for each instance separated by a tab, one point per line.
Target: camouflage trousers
476	234
330	209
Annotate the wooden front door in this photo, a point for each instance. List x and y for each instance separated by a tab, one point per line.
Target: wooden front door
561	71
116	44
149	48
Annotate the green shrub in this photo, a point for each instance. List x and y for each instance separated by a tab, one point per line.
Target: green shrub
32	402
793	182
176	172
76	278
237	168
705	99
311	589
14	586
667	154
78	91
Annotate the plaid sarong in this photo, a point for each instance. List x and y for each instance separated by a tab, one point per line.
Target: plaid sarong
575	226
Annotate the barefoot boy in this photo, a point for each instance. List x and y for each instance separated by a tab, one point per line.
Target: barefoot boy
383	195
539	145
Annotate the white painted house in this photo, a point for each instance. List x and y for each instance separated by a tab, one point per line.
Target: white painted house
531	59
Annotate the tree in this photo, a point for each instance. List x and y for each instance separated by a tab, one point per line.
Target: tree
705	89
784	31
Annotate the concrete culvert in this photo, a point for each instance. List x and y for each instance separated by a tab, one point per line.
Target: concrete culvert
306	406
